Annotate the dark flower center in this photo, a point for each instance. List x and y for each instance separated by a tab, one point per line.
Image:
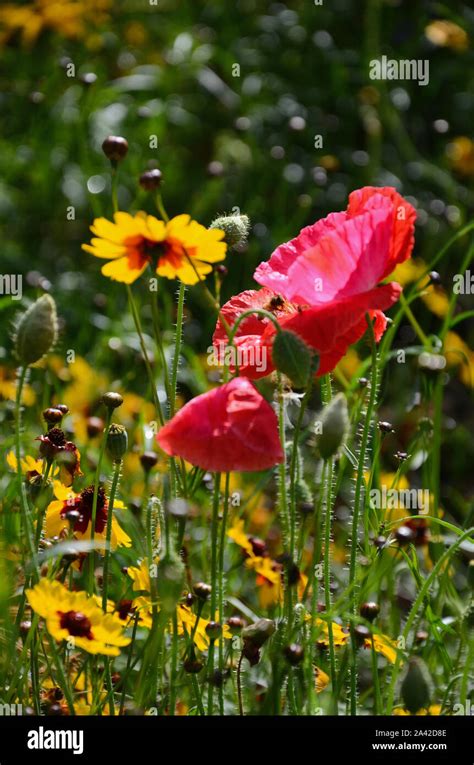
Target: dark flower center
84	504
56	436
76	623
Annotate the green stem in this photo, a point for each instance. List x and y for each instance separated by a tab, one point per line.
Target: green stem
90	585
214	589
355	517
108	533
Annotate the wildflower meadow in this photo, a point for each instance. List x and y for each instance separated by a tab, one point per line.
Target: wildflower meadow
237	369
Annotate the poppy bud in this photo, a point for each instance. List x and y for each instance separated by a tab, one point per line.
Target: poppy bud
416	686
52	415
115	148
293	357
235	228
170	581
36	331
117	442
334	421
148	460
202	590
369	610
404	535
294	654
214	630
151	179
112	400
258	632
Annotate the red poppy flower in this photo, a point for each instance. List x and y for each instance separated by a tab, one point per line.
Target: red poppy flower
344	254
228	428
322	283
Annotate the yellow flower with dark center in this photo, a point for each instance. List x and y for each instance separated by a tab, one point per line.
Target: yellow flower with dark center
187	623
57	523
76	616
269	579
238	535
179	249
434	709
384	645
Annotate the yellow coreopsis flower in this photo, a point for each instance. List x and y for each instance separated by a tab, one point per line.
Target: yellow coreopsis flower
384	645
76	616
56	522
179	249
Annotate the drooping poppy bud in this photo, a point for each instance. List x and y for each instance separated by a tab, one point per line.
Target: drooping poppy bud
334	421
235	228
36	331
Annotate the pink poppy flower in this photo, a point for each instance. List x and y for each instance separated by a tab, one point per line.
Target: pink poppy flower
228	428
322	283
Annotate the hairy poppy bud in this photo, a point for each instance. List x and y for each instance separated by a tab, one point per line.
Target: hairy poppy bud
293	357
416	686
334	420
151	179
112	400
235	228
115	148
117	442
36	331
258	632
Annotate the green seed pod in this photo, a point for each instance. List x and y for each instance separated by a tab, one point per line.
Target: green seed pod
416	686
37	331
258	632
334	421
170	582
235	228
291	355
117	442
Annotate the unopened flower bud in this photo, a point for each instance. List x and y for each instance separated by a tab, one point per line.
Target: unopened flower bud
293	357
294	654
235	624
112	400
36	331
214	630
148	460
235	228
62	408
95	425
334	421
117	442
115	148
404	535
369	610
151	179
192	666
52	415
416	686
258	632
385	427
362	633
202	590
